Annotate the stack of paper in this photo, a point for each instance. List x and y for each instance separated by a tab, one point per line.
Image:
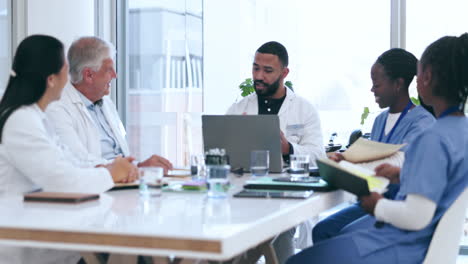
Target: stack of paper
364	150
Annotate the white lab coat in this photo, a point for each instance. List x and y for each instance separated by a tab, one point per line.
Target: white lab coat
78	130
299	122
32	158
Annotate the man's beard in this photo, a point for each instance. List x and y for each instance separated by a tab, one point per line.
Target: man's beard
270	89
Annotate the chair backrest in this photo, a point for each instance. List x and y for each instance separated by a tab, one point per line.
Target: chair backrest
445	241
357	133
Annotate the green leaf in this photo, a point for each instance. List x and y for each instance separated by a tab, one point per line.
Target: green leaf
246	87
364	115
415	101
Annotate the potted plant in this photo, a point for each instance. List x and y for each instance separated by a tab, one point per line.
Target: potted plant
365	112
247	86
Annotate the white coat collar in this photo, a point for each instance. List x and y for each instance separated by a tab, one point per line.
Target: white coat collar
73	94
253	101
39	111
115	124
75	98
290	95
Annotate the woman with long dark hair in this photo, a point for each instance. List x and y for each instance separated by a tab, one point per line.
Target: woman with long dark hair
31	157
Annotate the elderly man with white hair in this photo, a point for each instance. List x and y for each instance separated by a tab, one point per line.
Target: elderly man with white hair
85	118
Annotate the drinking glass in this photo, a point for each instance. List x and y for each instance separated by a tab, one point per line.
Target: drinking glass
150	181
218	181
299	165
259	162
197	167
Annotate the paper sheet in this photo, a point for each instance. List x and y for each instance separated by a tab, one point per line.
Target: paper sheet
364	150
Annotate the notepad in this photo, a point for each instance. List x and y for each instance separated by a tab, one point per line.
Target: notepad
351	177
178	173
364	150
60	197
134	185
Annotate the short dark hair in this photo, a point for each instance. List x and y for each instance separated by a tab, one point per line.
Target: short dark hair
36	57
399	63
277	49
448	59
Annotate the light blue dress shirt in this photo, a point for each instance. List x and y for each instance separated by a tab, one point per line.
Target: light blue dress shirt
110	148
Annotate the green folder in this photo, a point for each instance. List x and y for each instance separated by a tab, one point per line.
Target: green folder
267	183
351	178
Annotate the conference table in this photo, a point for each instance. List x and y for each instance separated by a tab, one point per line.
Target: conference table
185	225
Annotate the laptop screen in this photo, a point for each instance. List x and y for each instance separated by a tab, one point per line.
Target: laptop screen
240	134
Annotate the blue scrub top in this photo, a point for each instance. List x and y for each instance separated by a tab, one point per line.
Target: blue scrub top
435	167
412	124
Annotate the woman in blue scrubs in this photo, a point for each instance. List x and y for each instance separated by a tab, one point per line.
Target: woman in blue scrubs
432	177
391	74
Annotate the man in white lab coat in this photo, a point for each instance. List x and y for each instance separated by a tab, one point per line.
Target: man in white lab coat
299	121
85	118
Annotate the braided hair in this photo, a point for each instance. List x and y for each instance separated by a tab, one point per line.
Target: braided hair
448	61
399	63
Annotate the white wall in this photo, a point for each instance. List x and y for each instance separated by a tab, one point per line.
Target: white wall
63	19
66	20
5	58
69	19
221	55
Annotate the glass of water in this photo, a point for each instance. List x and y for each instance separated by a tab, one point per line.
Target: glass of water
218	181
197	167
259	162
299	165
150	181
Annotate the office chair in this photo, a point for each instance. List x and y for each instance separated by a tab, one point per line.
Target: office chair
354	136
445	241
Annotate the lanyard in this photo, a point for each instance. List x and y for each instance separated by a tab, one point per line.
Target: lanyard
449	111
405	111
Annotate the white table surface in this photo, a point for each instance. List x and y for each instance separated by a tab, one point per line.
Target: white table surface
187	225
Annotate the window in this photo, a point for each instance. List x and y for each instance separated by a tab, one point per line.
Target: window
332	46
428	21
165	63
5	43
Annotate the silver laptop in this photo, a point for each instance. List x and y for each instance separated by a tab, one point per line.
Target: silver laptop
240	134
